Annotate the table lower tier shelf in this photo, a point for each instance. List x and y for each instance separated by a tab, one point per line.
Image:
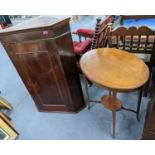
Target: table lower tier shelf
111	103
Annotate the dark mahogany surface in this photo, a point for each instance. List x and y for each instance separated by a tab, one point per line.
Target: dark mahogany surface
44	58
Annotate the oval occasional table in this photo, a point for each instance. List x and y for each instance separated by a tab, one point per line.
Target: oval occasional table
115	70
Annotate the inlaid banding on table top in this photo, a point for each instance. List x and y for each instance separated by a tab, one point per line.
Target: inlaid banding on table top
114	68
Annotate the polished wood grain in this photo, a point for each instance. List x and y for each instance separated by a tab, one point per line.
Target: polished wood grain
43	55
114	68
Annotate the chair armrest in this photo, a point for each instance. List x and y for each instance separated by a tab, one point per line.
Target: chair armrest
84	32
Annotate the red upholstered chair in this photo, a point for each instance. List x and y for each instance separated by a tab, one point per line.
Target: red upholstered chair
80	47
100	39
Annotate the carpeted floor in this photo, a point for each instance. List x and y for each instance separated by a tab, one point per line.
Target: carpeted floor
87	124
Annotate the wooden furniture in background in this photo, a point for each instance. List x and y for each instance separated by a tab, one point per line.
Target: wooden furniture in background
140	41
81	46
41	50
124	17
5	104
112	69
149	127
89	39
100	37
119	20
6	119
7	130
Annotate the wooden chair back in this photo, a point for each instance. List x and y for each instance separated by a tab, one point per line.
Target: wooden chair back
136	40
100	35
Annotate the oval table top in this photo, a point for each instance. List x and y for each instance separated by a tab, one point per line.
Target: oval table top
115	69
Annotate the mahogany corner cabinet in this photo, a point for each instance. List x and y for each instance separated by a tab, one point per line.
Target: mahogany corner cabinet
42	52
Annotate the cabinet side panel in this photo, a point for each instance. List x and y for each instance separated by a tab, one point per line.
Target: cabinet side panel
68	61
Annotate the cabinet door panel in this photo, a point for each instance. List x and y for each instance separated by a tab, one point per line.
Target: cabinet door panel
43	73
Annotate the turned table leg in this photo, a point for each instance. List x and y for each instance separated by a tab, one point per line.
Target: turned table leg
113	112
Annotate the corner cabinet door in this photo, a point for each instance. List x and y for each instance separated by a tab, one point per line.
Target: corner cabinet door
39	66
